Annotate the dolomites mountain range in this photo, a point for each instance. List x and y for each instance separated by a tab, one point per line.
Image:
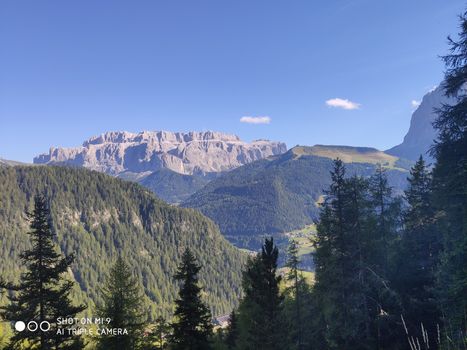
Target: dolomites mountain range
188	153
175	165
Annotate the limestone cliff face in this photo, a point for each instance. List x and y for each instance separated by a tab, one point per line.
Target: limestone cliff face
148	151
421	134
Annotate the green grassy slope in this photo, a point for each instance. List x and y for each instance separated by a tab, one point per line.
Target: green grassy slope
98	217
349	154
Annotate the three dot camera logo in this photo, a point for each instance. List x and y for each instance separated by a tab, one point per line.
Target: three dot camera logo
72	326
32	326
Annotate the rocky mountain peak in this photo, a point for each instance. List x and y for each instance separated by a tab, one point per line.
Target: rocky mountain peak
116	152
421	134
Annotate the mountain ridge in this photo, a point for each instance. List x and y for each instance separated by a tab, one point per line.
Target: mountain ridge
280	193
185	153
348	154
7	162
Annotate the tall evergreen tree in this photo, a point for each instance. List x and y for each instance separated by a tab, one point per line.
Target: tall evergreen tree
382	237
337	266
43	294
232	331
450	187
192	328
260	311
123	304
352	292
418	257
296	289
387	211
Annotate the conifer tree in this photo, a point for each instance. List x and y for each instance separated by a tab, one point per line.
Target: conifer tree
43	294
295	277
192	327
382	235
337	265
157	339
361	242
352	293
450	187
260	311
232	331
387	211
123	304
418	256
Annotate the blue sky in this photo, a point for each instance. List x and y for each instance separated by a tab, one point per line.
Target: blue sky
73	69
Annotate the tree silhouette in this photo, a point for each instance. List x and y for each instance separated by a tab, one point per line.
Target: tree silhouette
43	293
193	327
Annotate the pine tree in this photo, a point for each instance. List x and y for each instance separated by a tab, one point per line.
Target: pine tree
337	266
419	256
43	294
296	279
361	243
450	187
260	311
382	237
123	304
351	291
157	339
193	327
387	211
232	331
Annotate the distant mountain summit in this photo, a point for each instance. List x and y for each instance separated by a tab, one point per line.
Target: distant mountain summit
173	165
145	152
421	134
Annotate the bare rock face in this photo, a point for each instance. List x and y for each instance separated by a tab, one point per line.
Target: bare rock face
185	153
421	134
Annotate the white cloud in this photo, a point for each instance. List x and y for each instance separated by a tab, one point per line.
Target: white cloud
342	103
415	103
255	120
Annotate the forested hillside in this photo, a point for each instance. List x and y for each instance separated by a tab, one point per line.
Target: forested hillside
282	193
174	187
97	217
